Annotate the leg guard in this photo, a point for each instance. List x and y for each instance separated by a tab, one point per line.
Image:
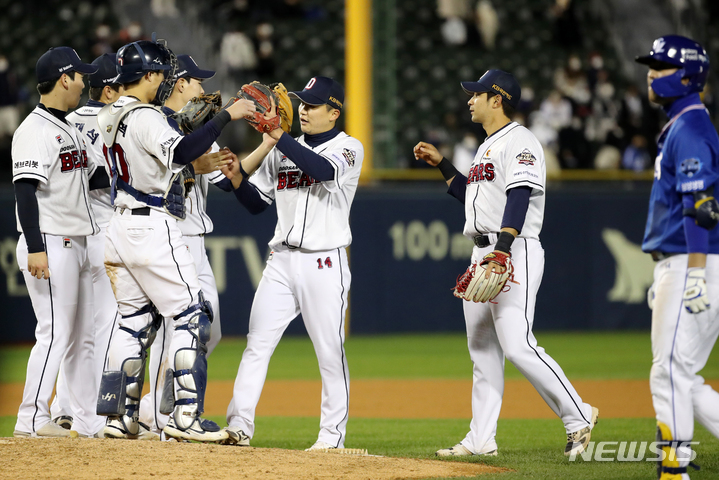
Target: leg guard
676	455
191	371
120	391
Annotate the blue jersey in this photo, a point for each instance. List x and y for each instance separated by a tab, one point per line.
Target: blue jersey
687	162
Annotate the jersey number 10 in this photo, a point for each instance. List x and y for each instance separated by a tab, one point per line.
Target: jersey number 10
123	171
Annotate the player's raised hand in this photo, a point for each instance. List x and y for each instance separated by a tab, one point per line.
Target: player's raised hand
271	139
211	162
37	265
241	109
427	152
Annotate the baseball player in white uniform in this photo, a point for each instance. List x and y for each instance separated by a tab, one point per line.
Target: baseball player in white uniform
197	224
313	179
103	90
52	178
503	195
151	270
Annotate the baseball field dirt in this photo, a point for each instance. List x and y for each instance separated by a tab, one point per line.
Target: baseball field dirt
82	459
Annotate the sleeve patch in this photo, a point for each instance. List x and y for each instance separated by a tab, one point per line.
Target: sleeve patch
349	156
691	166
526	157
60	140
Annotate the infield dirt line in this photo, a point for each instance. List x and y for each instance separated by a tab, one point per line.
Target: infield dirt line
411	398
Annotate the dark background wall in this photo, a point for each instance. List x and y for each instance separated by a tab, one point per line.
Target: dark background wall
405	257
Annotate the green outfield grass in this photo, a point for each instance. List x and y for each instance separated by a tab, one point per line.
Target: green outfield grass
531	448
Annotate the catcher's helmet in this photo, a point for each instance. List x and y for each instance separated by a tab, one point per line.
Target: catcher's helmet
674	51
138	58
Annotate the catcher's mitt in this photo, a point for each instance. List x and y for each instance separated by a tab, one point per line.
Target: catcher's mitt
198	112
265	101
473	285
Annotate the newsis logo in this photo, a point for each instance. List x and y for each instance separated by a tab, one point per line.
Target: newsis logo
634	452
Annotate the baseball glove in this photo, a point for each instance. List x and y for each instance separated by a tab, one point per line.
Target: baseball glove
198	112
473	285
187	178
284	106
266	103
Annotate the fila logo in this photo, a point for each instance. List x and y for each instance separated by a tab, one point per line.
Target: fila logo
59	139
109	396
67	243
310	84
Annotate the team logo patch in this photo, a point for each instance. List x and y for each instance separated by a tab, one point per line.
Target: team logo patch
486	154
526	157
67	243
349	155
283	158
60	140
690	166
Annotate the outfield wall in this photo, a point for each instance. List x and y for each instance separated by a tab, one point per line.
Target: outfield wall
407	253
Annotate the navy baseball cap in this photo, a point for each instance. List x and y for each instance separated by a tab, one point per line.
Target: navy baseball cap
187	67
106	71
58	60
497	82
321	91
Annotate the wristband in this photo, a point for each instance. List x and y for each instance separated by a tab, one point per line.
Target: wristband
504	242
242	172
447	169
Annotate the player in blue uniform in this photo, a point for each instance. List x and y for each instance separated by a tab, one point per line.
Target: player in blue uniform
681	238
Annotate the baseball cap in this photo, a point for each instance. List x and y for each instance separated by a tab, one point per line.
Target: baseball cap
106	71
58	60
187	67
497	82
320	91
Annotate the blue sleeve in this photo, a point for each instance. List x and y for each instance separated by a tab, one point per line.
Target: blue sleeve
696	160
192	146
458	187
697	238
515	211
224	184
250	198
29	213
314	165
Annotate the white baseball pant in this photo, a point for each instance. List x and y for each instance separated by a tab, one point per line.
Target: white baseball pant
297	282
504	329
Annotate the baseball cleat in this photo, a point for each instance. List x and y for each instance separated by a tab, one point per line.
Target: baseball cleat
49	430
577	441
65	421
460	450
319	446
146	433
200	430
236	436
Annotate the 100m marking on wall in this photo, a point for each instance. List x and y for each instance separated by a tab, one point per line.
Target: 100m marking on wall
416	241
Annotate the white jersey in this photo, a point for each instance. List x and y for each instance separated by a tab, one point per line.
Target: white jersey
144	149
197	221
85	120
510	157
312	215
48	150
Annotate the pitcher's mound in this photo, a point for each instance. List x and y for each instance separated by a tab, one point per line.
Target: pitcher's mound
82	459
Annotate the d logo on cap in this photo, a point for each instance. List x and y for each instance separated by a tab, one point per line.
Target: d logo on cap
310	83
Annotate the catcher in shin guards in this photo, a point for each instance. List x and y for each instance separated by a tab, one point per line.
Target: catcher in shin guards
503	195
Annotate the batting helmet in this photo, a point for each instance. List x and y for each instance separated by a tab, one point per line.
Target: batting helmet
674	51
138	58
